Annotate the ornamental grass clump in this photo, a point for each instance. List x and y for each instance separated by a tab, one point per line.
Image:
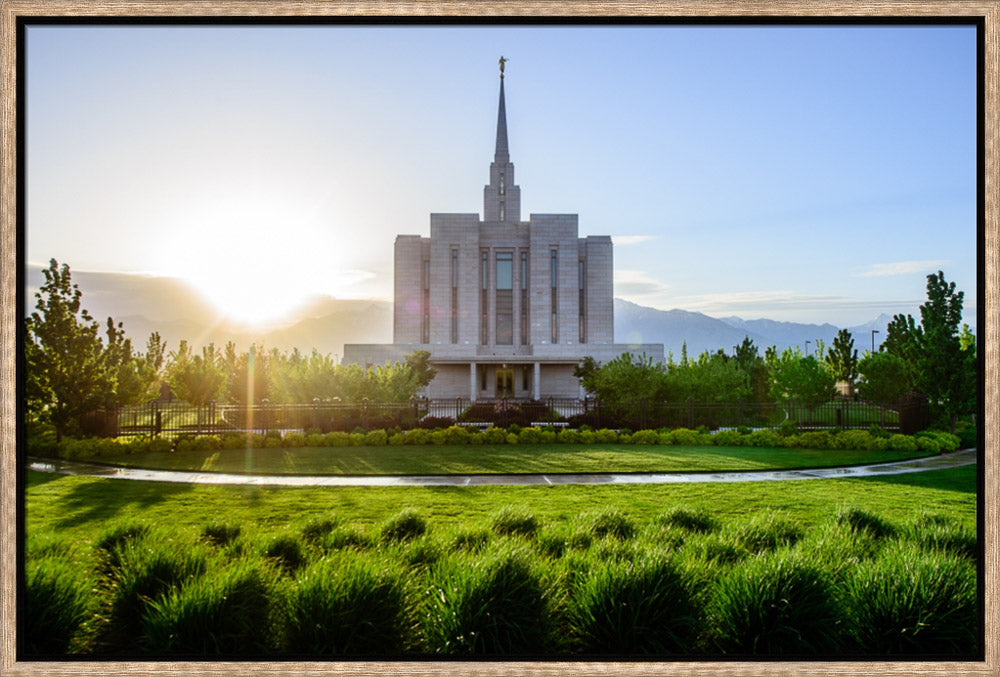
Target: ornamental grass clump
286	551
488	606
766	532
57	598
110	541
697	521
403	526
229	611
860	520
911	601
634	606
777	603
316	528
514	521
613	523
220	534
939	533
353	605
147	571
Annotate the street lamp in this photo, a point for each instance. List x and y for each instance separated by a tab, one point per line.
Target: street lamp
807	347
874	331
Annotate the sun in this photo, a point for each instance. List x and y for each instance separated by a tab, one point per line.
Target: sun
256	266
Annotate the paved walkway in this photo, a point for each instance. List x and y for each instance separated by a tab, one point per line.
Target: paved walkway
958	458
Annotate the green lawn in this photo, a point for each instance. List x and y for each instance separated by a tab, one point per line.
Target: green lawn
428	570
541	458
76	508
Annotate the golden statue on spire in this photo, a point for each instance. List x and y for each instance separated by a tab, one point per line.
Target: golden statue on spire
502	62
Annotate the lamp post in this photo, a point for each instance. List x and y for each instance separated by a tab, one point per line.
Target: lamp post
807	348
874	331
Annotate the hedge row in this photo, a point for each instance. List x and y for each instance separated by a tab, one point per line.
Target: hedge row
867	440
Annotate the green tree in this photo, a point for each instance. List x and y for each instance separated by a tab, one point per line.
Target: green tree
942	369
884	379
842	358
65	374
196	379
805	380
419	362
131	378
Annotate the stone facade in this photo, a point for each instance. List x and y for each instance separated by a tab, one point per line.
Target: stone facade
506	307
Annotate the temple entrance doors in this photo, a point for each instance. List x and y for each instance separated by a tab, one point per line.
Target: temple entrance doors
504	382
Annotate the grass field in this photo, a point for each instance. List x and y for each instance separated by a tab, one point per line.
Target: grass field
501	570
539	458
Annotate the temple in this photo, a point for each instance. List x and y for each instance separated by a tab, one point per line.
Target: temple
506	307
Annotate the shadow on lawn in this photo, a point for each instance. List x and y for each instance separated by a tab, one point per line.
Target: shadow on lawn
961	479
103	501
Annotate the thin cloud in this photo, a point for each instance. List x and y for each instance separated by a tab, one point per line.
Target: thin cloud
901	268
637	284
626	240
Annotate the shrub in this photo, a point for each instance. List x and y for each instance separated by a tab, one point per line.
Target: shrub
907	601
403	526
220	534
902	443
375	438
766	532
475	437
286	550
547	437
628	607
728	438
764	438
315	440
946	441
494	435
207	443
511	521
227	611
456	435
699	521
529	436
357	439
612	523
685	437
160	445
788	427
645	437
337	439
606	436
774	604
397	440
237	442
587	436
437	437
818	439
492	606
511	438
859	520
354	606
418	436
928	444
624	438
56	604
272	441
568	436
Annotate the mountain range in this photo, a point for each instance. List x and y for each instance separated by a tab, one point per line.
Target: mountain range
169	306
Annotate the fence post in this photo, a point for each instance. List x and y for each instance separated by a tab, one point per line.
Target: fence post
690	424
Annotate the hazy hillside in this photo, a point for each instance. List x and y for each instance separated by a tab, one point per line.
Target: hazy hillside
145	304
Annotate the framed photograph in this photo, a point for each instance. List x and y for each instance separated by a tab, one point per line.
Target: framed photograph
298	380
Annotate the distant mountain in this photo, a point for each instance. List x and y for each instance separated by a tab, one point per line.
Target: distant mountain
635	324
145	304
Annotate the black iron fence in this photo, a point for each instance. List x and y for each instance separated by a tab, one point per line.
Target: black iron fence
179	418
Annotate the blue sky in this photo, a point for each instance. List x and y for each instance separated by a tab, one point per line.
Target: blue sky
813	174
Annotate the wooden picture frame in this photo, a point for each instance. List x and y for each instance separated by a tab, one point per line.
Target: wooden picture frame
14	10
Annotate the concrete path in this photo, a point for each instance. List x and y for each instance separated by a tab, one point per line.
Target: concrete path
958	458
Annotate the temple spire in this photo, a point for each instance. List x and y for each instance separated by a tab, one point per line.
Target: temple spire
501	154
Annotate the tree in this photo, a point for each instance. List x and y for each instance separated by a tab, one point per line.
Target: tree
842	358
419	362
131	378
803	379
196	379
64	356
942	369
884	379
